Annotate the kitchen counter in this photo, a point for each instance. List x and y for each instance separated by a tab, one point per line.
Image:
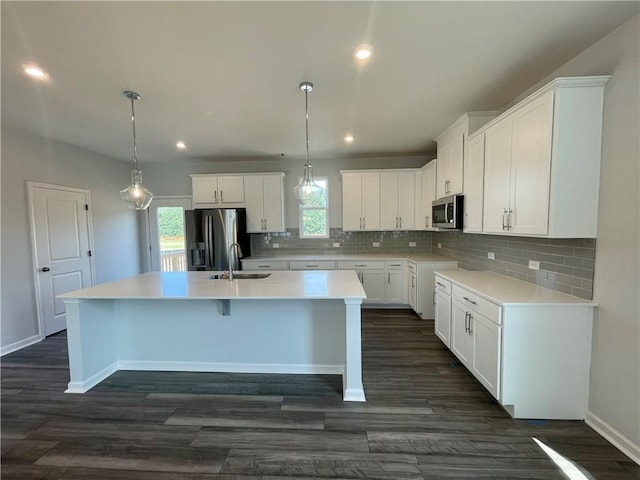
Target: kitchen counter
510	291
291	322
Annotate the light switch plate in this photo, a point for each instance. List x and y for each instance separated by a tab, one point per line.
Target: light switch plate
534	265
439	245
276	245
376	244
412	244
336	244
491	256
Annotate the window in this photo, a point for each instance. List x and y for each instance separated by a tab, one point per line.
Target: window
314	221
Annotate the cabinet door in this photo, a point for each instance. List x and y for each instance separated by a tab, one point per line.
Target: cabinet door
474	185
420	212
273	203
413	288
204	190
406	200
371	200
231	189
352	196
461	340
497	175
443	170
486	352
373	284
389	219
443	317
456	164
395	287
254	201
429	191
531	167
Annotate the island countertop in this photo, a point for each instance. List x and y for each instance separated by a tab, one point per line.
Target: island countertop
337	284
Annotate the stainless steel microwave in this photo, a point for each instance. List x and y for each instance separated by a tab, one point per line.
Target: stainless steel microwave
447	212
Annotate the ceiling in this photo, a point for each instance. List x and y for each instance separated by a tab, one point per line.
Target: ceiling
223	76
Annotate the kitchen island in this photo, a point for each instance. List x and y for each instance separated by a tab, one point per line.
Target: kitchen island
290	322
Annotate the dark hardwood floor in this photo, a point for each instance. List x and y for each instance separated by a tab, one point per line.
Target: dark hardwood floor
426	418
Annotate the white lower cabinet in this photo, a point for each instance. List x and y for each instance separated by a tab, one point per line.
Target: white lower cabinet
371	275
423	284
411	289
442	313
395	287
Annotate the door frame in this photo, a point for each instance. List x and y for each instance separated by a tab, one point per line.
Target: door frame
32	227
148	245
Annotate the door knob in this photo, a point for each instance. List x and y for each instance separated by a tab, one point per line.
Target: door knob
45	269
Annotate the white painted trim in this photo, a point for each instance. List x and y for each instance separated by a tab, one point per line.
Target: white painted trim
20	344
231	367
34	256
354	395
621	442
89	383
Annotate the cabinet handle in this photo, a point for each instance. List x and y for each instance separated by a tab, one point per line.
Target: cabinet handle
413	282
426	222
470	318
388	277
311	266
434	297
442	285
505	212
466	318
263	266
361	277
400	221
509	216
364	223
221	196
360	265
470	301
215	196
395	265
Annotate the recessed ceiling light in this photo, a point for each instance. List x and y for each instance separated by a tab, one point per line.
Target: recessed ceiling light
35	71
181	145
349	138
363	52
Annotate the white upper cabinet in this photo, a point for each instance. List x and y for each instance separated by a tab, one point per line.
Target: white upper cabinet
265	202
428	193
451	152
474	184
360	200
542	162
210	191
397	210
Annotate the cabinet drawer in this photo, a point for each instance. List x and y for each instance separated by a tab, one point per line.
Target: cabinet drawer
398	265
313	265
268	265
360	265
412	267
473	302
443	285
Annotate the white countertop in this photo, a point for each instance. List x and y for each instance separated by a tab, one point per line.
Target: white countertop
335	284
412	257
510	291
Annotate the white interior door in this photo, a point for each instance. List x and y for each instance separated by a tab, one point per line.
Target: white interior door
166	233
60	224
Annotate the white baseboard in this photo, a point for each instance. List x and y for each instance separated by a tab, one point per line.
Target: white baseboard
231	367
354	395
89	383
19	345
625	445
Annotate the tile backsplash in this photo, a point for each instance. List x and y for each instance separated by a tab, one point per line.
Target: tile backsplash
566	265
289	242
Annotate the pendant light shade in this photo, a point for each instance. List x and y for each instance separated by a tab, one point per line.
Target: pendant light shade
136	196
307	191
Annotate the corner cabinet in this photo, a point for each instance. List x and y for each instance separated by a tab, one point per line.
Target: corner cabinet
360	200
422	281
215	191
451	152
264	199
542	162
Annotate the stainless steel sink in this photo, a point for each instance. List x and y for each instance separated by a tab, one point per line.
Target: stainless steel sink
239	276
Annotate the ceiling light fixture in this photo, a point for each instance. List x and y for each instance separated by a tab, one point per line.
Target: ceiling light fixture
307	191
349	138
363	52
181	145
136	196
35	72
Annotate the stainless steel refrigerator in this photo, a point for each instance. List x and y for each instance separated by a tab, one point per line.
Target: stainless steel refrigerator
210	234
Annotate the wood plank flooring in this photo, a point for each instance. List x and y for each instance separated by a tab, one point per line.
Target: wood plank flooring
426	418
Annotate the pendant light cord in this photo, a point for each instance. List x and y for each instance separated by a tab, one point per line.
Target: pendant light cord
135	147
306	120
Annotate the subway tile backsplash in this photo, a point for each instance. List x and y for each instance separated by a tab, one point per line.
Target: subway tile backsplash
289	242
566	265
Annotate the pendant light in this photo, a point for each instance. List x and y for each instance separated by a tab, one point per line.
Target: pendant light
307	191
136	196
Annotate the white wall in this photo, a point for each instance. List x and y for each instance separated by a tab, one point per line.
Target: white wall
116	228
173	178
614	399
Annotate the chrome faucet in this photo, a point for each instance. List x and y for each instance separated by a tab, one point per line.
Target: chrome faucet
237	245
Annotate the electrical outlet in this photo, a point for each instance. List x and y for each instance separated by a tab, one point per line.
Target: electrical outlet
336	244
276	245
439	245
491	256
534	265
412	244
376	244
